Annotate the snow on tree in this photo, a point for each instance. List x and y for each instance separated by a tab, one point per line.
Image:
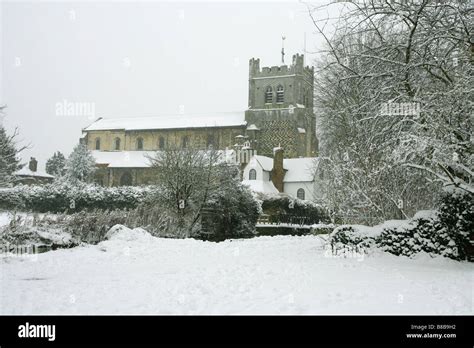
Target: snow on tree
394	93
80	165
56	165
9	161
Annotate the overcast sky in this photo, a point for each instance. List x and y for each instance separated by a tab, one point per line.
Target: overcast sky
131	59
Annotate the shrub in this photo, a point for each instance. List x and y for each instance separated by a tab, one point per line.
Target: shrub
230	213
354	238
64	197
444	232
285	209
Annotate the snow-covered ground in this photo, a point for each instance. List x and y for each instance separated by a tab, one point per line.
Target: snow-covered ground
134	273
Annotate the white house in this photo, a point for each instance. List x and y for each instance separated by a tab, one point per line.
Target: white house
294	176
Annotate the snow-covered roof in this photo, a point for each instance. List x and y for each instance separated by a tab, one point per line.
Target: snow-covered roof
123	159
297	169
265	162
169	122
260	186
139	159
25	171
253	127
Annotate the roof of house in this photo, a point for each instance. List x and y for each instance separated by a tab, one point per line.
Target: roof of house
25	171
225	119
297	169
260	186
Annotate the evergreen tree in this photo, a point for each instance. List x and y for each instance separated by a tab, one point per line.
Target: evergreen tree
56	165
80	165
9	161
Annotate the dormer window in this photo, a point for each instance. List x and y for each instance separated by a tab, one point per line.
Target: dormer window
140	144
280	94
269	95
97	143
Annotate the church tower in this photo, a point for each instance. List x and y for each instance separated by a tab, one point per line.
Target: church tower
280	109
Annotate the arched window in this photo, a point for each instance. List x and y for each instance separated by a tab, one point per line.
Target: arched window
184	142
211	141
140	144
126	179
268	95
300	193
117	144
97	143
252	174
161	143
280	94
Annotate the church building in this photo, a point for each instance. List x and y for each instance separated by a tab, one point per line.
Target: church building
280	114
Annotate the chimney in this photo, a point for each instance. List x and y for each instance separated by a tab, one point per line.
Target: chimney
33	165
278	172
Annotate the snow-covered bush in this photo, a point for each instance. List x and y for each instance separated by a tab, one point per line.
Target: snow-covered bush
444	232
233	213
355	238
284	209
64	197
456	214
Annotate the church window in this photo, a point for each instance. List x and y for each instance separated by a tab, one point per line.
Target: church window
300	193
126	179
211	141
269	95
97	144
252	174
117	143
184	142
161	143
140	144
280	94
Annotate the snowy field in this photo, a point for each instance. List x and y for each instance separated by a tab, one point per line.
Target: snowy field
139	274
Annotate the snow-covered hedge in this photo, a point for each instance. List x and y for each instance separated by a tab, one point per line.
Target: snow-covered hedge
443	232
61	197
284	209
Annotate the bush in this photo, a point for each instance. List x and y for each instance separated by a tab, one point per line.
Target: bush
354	238
444	232
64	197
283	209
230	213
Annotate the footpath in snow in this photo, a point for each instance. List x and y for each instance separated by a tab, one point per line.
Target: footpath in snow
134	273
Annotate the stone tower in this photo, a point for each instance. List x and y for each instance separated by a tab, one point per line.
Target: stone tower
280	112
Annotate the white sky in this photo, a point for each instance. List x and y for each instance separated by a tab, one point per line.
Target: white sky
132	59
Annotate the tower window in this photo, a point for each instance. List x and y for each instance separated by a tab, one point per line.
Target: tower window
280	94
140	144
252	174
268	95
300	193
117	144
97	143
161	143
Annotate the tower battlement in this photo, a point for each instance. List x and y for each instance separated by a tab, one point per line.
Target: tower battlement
297	67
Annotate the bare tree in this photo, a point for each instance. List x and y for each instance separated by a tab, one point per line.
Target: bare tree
394	95
186	179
